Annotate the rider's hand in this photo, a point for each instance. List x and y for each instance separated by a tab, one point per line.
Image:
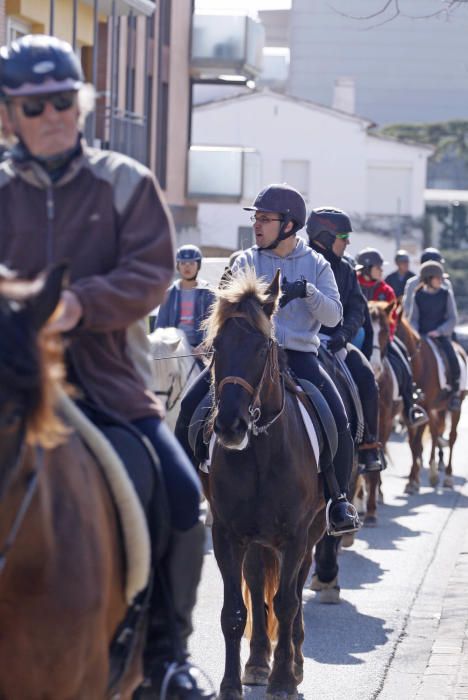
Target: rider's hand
337	342
67	314
433	334
292	290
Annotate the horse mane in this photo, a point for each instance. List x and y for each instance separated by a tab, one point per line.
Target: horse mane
408	328
242	297
36	367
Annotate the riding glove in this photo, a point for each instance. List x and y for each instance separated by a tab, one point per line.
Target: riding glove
337	341
292	290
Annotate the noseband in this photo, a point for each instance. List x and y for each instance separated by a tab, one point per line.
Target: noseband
255	406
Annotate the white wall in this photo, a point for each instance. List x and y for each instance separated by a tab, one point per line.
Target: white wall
336	147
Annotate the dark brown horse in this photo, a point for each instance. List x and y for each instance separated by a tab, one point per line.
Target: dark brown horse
61	565
435	401
266	495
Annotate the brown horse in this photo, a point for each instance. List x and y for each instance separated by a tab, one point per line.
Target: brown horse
61	565
265	492
435	401
380	314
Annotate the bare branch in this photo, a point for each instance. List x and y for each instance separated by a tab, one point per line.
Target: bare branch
450	7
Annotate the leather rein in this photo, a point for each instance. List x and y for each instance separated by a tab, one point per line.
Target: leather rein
255	406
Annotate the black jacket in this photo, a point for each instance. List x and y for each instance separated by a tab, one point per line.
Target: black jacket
398	283
351	297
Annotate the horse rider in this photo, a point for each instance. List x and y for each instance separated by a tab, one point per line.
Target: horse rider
104	213
188	299
329	232
399	277
434	313
370	272
410	288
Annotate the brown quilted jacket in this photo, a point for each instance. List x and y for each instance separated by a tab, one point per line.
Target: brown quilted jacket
107	218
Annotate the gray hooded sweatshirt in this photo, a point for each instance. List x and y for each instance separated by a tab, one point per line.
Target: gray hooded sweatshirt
298	323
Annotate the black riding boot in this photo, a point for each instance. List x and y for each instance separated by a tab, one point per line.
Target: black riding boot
341	515
167	669
369	449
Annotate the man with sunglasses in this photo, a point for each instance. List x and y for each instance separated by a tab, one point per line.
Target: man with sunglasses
329	231
104	214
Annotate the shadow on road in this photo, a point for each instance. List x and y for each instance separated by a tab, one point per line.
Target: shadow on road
325	629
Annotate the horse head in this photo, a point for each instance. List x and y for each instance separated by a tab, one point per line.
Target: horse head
25	402
245	366
380	314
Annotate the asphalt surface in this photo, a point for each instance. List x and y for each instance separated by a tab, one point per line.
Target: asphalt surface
400	628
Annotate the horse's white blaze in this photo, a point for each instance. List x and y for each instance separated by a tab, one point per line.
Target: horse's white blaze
376	357
172	367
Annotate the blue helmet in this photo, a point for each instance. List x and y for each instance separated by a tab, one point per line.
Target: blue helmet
189	253
38	64
284	200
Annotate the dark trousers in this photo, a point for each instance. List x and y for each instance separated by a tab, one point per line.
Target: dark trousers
364	377
449	350
182	484
306	365
403	374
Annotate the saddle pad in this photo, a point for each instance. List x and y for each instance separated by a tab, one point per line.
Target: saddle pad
442	369
309	426
132	518
396	389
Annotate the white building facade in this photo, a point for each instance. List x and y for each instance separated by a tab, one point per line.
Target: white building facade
246	142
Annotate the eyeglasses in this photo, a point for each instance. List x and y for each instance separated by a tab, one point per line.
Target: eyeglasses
262	219
34	106
342	236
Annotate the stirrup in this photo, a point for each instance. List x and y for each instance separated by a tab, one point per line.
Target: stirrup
354	527
415	419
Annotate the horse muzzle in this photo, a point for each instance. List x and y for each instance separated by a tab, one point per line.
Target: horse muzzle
232	434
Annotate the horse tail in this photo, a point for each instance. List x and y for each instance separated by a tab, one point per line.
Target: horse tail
271	569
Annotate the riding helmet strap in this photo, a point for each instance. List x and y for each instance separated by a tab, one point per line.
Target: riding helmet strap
282	235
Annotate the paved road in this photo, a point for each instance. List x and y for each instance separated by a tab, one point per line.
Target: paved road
377	643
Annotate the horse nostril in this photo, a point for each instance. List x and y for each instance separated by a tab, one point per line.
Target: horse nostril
235	425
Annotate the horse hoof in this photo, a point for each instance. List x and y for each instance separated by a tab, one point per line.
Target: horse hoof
448	482
347	540
281	695
433	480
411	488
230	695
299	673
255	675
370	521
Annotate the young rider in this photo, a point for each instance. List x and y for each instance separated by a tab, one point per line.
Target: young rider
434	313
188	299
329	232
370	266
398	279
412	284
105	215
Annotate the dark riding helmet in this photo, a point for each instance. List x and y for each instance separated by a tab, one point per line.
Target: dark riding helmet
325	223
368	257
38	64
431	254
402	256
284	200
431	268
189	253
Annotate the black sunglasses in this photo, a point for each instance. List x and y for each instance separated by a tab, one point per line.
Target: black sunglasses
35	105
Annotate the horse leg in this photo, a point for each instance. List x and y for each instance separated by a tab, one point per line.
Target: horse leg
282	684
315	532
372	482
415	442
448	479
325	578
433	469
229	554
257	668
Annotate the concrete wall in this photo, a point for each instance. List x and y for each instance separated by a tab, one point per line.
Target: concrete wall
405	70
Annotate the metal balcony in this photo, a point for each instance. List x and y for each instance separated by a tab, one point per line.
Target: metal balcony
226	46
223	173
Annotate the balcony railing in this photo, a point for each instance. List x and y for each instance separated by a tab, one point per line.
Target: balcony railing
125	132
226	45
223	173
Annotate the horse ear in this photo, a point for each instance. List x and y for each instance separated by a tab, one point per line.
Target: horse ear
273	292
45	302
399	311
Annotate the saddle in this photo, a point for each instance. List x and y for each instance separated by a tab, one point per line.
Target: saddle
443	366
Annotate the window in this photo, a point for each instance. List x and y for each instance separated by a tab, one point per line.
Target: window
296	174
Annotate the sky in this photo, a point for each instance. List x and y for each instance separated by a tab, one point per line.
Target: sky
242	5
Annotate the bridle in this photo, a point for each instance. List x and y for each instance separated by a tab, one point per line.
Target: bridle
31	487
170	400
255	406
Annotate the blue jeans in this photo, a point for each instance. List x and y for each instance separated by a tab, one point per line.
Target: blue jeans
182	483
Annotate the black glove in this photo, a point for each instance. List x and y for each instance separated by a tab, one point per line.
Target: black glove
292	290
337	341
